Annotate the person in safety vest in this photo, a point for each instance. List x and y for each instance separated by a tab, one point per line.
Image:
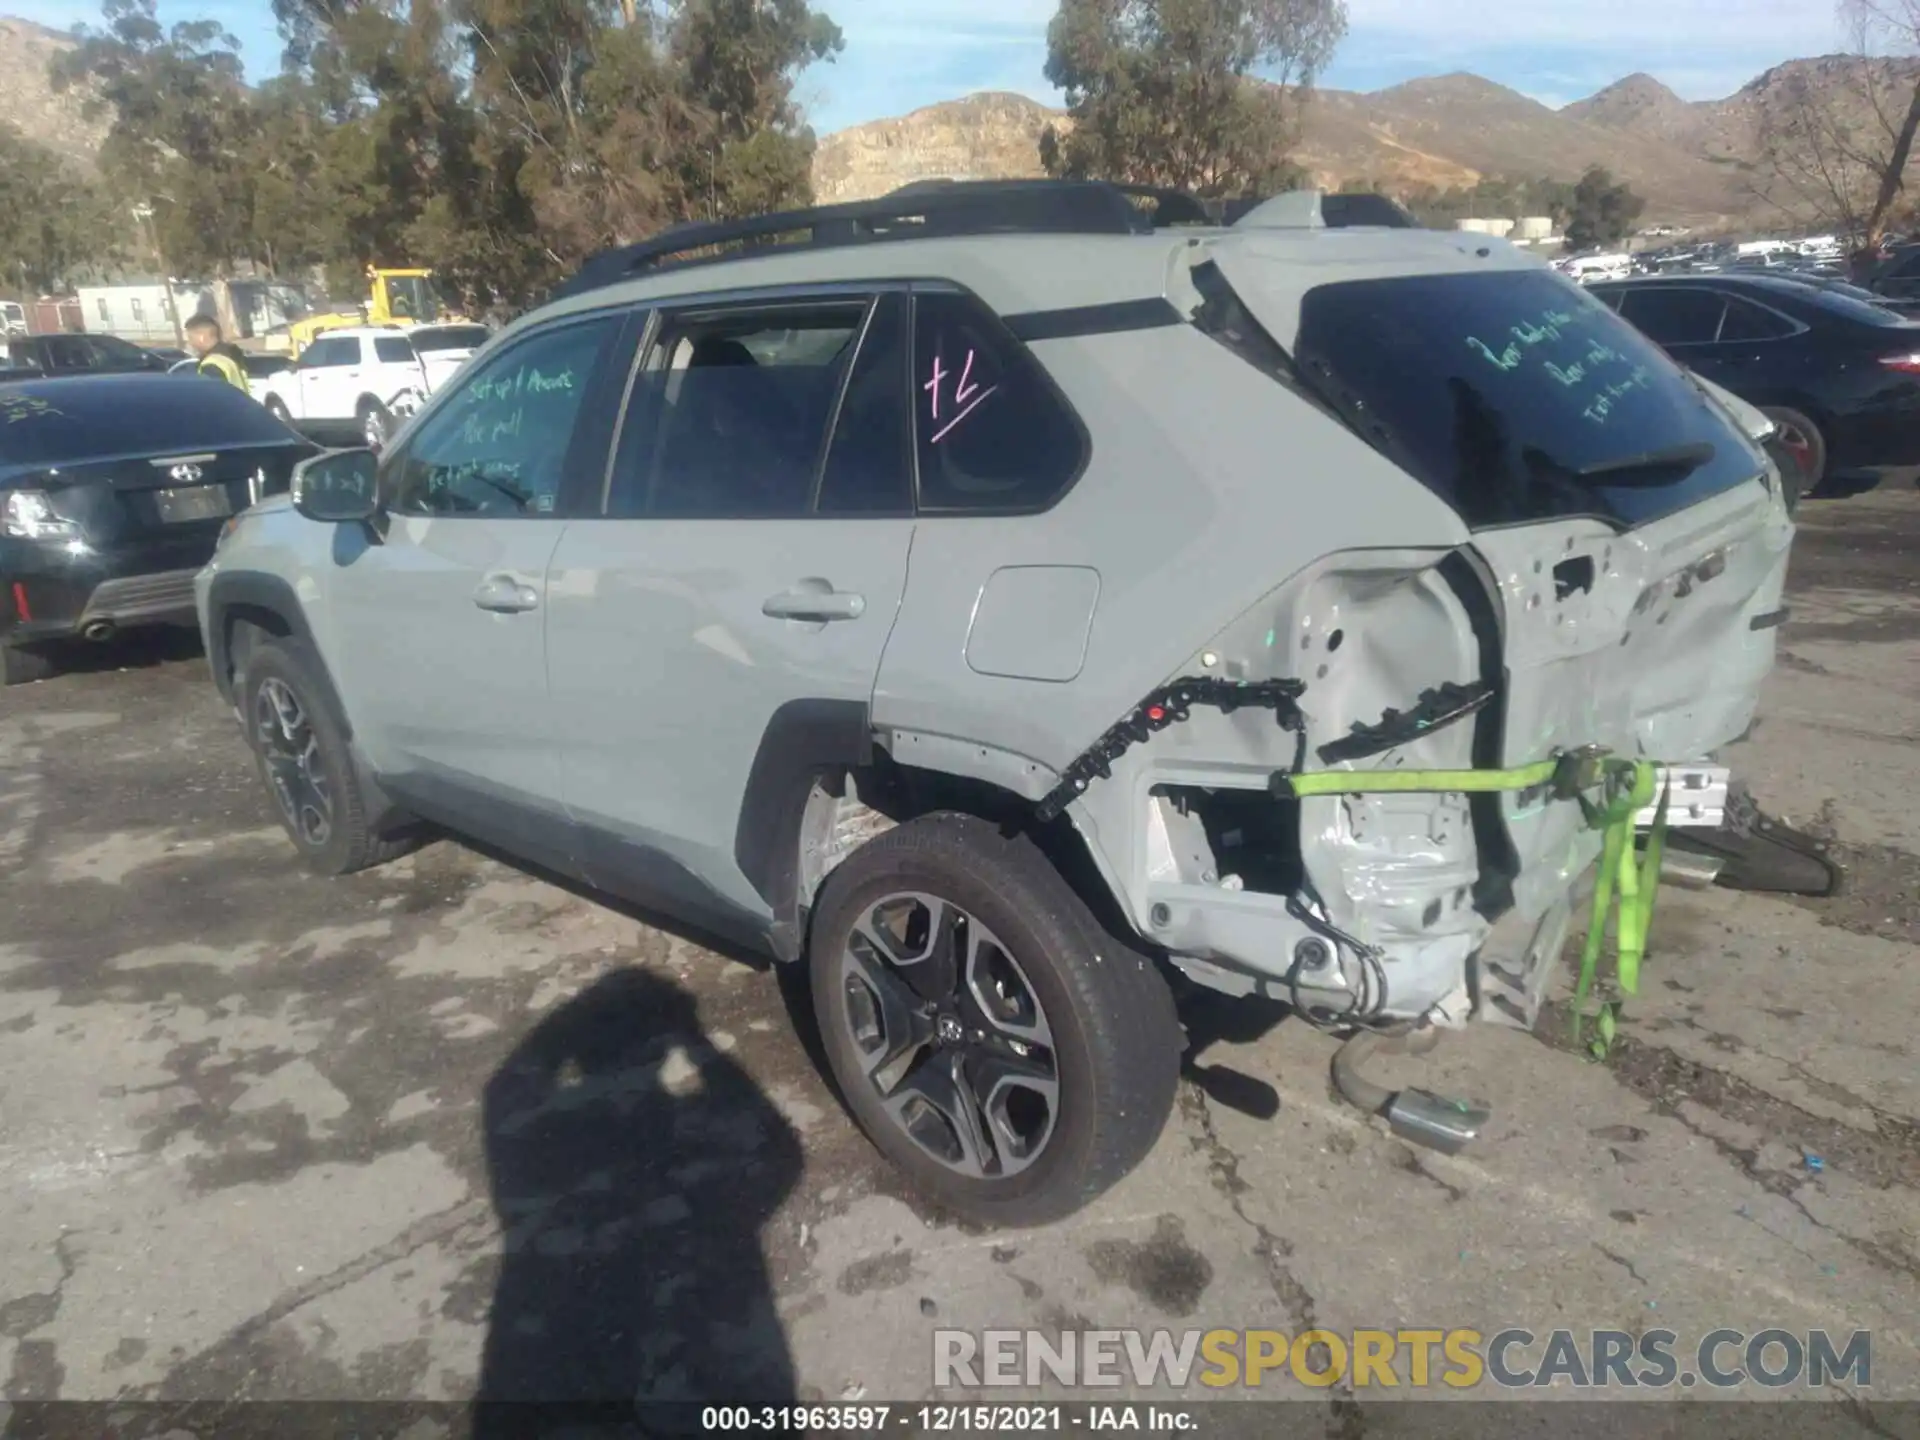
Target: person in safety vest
218	359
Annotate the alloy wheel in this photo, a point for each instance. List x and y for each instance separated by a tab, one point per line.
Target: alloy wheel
373	426
951	1035
291	752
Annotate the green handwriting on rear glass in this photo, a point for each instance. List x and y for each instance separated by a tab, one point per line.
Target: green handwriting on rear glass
1547	327
1602	406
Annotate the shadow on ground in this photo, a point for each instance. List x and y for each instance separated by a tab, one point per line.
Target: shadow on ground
632	1166
130	650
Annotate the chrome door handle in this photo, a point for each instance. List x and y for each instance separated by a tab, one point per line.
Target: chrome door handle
504	595
819	605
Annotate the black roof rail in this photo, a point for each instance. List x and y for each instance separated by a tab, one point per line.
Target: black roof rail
920	210
1337	210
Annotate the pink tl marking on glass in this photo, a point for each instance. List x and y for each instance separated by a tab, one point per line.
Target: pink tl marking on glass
978	401
932	387
964	389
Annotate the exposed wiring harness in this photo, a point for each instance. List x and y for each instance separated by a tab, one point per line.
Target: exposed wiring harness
1166	706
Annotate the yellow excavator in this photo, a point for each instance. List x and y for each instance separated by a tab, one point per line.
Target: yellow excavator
394	297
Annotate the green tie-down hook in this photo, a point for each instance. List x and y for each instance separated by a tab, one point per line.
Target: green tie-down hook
1626	884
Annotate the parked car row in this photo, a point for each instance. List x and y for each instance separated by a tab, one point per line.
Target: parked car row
1838	373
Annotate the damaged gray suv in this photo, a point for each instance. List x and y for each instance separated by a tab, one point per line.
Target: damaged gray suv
939	591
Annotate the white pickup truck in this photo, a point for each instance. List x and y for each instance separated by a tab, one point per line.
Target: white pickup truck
357	385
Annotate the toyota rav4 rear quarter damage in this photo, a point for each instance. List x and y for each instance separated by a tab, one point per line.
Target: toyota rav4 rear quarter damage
1396	503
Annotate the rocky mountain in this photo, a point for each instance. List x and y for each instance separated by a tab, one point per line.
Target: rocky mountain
1693	160
27	98
988	136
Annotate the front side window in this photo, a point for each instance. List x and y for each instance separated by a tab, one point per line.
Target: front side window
993	433
730	411
68	352
870	463
498	446
101	302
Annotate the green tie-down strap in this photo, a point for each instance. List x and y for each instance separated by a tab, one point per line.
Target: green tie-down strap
1625	884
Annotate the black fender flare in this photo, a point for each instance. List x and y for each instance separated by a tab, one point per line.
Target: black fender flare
803	740
242	590
247	591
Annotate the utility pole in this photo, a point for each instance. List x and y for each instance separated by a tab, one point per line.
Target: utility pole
143	212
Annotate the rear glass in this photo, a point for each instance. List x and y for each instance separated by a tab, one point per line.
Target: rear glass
1843	306
451	337
65	422
1497	390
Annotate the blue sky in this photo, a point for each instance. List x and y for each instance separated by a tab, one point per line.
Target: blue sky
906	53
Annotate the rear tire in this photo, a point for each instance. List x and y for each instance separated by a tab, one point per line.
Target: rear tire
299	746
22	666
1800	450
1074	1013
277	408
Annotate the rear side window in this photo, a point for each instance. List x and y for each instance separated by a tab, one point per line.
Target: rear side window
450	337
993	434
392	350
1747	321
1517	397
730	412
1673	316
322	354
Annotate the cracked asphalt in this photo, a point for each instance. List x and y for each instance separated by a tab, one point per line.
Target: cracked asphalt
446	1129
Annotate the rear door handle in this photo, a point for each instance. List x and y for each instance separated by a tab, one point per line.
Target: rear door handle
504	595
818	605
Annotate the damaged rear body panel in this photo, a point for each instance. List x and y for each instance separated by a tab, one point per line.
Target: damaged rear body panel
1462	512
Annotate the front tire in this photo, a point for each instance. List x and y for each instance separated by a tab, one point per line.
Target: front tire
300	748
277	408
999	1047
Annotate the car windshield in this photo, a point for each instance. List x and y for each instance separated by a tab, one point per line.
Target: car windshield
412	297
65	422
449	337
1518	397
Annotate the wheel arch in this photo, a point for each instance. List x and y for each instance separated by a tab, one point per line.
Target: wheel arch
242	606
819	757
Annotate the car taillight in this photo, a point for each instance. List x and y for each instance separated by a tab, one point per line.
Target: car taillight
1908	364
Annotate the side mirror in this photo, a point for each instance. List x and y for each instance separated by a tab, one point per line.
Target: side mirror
338	487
